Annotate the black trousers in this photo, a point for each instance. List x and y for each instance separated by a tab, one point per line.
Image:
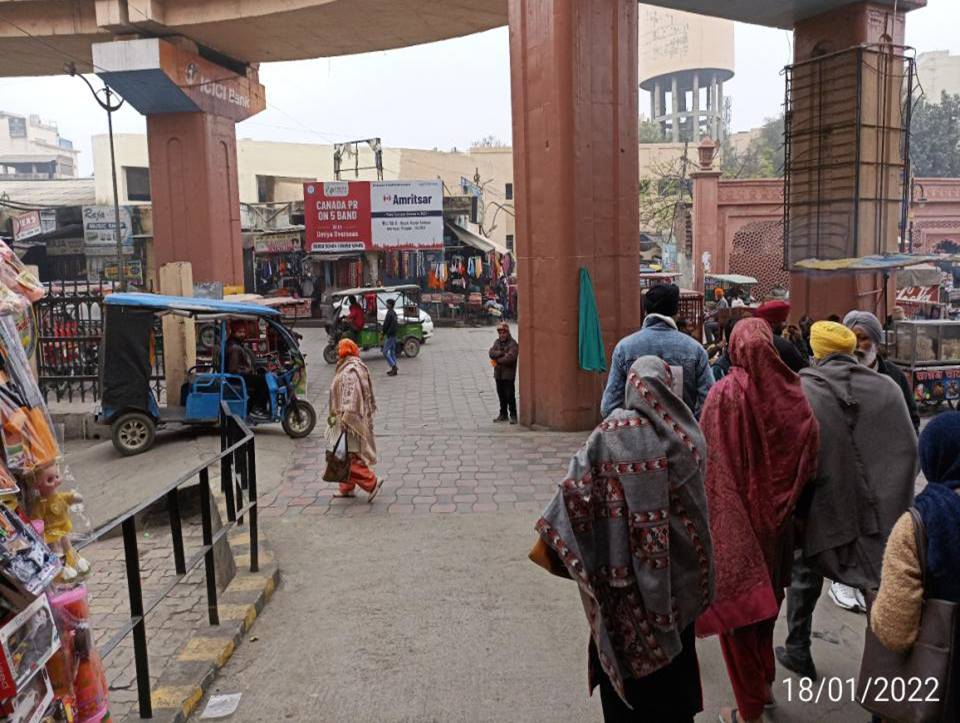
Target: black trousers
670	695
802	596
507	393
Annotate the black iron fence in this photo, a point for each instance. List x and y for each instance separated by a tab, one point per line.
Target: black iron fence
238	476
69	321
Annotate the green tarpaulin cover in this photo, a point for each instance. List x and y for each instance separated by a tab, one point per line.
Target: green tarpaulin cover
592	358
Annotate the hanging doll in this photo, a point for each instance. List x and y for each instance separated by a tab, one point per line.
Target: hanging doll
54	509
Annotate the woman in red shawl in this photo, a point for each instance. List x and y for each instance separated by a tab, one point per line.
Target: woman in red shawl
762	442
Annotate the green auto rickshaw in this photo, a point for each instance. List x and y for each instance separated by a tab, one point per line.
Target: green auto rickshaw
415	325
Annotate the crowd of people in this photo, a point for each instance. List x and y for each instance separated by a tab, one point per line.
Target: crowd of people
711	493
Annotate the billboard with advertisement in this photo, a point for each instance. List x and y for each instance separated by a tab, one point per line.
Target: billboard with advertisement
351	216
99	226
27	225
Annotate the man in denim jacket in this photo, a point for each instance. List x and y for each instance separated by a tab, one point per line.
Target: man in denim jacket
659	337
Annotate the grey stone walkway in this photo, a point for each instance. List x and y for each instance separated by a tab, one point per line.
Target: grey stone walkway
423	606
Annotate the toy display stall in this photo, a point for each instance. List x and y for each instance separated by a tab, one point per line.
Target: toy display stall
928	351
49	667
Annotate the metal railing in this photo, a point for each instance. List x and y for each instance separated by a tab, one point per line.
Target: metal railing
237	453
69	321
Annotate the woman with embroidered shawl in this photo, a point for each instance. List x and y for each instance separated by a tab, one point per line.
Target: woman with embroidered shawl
763	440
629	525
352	407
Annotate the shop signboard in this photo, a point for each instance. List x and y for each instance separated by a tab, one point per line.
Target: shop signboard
342	216
27	225
337	216
407	215
276	243
919	295
133	270
99	226
936	384
65	247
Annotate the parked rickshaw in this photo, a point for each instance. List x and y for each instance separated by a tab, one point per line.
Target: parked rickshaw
410	332
132	410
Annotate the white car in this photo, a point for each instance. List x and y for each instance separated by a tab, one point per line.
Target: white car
425	319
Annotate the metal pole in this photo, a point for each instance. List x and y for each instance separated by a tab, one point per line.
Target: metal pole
131	558
121	275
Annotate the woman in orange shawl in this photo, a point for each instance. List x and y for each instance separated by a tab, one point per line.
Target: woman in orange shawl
762	442
352	407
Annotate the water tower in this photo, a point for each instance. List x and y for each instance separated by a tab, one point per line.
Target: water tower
684	61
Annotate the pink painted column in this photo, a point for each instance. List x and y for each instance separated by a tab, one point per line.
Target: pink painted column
575	94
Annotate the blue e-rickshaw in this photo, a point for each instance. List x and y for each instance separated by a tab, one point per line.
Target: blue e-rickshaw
132	410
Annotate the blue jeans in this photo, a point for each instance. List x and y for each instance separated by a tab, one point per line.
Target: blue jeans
390	351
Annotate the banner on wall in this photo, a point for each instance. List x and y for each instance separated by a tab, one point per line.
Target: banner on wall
100	225
344	216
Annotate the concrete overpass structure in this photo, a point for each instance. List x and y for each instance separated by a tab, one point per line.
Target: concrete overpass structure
191	67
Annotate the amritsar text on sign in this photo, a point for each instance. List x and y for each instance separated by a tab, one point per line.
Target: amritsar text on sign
343	216
100	224
407	215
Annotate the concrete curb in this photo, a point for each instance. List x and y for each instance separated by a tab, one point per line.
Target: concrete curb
198	661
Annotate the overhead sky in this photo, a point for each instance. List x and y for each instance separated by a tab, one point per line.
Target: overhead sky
441	95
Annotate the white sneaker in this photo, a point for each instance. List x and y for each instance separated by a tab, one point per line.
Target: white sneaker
844	596
861	603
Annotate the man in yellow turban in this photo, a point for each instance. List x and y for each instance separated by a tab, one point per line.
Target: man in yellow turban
829	337
867	464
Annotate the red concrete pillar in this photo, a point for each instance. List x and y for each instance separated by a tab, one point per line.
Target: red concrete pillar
708	246
193	185
574	83
820	295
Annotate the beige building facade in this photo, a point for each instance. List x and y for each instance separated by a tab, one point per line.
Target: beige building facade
938	72
32	149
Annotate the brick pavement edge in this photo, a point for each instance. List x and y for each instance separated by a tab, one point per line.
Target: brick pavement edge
197	662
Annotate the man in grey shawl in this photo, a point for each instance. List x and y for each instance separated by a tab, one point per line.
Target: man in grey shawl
864	482
629	525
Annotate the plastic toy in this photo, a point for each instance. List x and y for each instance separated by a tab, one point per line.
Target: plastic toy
54	509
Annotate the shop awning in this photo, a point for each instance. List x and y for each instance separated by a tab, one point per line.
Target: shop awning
478	242
864	263
920	275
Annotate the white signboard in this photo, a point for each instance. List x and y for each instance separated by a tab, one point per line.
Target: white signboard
99	226
406	214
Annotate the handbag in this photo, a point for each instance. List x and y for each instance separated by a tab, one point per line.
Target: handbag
338	461
914	686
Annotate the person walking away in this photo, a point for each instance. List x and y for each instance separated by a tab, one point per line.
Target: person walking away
629	526
504	355
762	438
864	482
776	313
390	326
240	363
660	337
352	408
869	335
896	612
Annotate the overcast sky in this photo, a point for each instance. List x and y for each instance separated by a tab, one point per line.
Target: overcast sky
441	95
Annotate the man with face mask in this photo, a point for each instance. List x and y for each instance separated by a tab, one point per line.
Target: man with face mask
869	335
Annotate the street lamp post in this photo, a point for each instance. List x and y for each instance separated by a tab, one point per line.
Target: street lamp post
108	106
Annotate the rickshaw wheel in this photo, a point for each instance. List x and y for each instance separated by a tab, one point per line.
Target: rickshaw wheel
299	419
411	347
330	354
133	433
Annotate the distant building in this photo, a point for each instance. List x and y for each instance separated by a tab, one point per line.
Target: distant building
31	149
938	71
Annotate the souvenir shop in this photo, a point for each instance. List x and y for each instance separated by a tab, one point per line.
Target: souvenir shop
278	262
49	666
472	274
